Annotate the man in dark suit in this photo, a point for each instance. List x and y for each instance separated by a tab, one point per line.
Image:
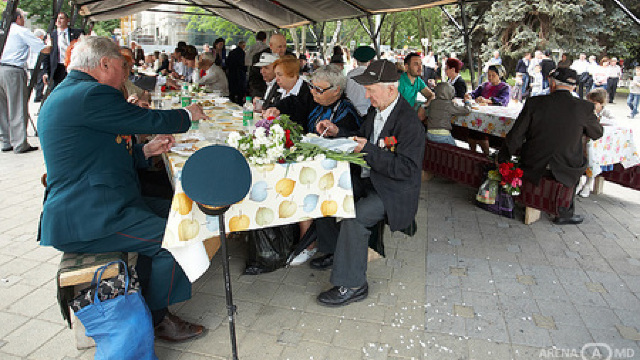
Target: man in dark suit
54	68
548	134
93	202
392	139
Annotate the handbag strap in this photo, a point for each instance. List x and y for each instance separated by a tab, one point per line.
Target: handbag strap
98	278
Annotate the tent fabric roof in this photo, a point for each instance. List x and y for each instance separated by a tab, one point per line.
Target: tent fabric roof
262	14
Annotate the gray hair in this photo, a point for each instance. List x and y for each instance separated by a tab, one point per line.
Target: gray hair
89	50
332	75
39	32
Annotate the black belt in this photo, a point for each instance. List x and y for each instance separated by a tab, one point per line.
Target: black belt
13	66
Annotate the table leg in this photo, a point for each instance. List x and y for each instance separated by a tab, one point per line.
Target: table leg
531	215
598	185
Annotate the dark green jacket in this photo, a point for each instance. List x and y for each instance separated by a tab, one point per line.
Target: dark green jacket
93	189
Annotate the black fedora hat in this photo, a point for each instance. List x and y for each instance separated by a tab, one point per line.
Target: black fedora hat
216	176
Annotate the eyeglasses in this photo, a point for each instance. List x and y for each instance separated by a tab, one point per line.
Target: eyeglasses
319	90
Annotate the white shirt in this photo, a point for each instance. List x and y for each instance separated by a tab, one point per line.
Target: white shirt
614	71
294	90
63	43
580	66
356	92
19	42
378	125
269	87
429	61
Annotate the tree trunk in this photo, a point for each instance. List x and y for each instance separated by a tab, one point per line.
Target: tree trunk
294	36
303	39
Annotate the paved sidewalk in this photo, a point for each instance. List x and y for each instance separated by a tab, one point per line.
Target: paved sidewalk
469	285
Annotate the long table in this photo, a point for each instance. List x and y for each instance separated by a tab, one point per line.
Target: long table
616	146
280	194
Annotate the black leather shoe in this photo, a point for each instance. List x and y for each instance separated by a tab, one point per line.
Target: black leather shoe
340	295
574	220
322	263
29	149
7	149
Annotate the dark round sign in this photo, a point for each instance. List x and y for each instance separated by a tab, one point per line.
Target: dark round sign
216	176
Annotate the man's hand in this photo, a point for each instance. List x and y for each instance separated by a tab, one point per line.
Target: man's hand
159	145
196	112
327	128
272	111
45	79
361	143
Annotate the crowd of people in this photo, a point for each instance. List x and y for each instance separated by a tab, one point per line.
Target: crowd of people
93	198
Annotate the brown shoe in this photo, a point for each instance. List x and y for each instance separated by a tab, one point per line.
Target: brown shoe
174	329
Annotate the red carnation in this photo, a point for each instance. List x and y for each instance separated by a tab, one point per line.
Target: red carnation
163	88
287	135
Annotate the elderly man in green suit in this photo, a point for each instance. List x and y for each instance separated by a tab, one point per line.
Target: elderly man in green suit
94	202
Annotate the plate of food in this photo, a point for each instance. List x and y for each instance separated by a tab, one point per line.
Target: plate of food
184	149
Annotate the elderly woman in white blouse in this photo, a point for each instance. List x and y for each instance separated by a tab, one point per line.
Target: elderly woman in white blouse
211	75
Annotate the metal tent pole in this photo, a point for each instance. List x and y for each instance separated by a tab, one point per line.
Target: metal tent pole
7	19
231	309
467	41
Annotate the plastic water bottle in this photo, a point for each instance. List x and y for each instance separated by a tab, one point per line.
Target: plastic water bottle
247	113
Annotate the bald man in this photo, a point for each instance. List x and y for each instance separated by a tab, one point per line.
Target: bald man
277	45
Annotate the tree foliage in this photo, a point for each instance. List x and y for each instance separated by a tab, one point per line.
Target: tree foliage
514	27
40	12
218	26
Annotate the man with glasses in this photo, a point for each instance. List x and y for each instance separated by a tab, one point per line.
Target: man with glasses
392	139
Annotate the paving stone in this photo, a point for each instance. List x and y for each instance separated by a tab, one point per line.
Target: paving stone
464	311
289	337
572	255
563	312
488	350
524	332
526	279
353	334
487	326
10	322
570	337
628	332
29	337
514	248
598	317
458	271
622	300
595	287
455	242
545	322
387	300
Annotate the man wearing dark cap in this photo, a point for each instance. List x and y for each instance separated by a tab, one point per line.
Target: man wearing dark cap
392	139
548	135
356	92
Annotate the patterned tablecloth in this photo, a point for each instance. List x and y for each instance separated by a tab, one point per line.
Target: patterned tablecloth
493	120
280	194
615	146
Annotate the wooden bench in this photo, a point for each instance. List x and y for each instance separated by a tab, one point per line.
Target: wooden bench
468	167
75	273
629	177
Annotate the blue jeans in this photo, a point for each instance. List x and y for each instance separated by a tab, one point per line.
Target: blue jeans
442	139
633	101
525	83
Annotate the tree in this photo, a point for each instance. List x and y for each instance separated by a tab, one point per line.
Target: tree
40	12
217	26
516	26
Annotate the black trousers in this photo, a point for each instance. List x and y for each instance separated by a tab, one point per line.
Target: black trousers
58	75
612	87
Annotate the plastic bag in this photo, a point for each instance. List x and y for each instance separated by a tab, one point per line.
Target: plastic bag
269	248
487	192
503	204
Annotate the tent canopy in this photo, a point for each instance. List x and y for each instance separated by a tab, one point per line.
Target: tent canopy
261	14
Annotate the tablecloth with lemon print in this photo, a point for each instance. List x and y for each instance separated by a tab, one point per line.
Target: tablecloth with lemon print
280	194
